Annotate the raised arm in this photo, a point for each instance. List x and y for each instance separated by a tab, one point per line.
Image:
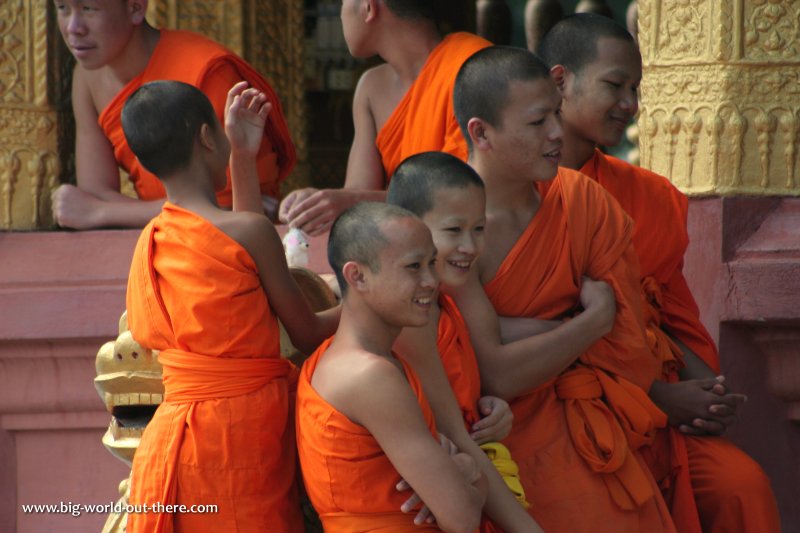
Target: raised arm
418	346
508	370
313	210
96	201
306	329
390	412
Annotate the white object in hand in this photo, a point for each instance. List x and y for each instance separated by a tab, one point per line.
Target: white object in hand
296	245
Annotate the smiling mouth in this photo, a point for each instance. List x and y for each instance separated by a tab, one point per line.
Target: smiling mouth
464	265
423	301
555	154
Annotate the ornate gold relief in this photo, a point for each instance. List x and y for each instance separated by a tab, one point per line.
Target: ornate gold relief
30	142
269	35
720	111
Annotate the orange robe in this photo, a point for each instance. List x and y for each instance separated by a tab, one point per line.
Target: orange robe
196	60
458	359
348	477
424	119
224	434
576	438
709	484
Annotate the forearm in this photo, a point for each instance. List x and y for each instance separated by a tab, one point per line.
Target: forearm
695	368
526	364
516	328
245	187
323	325
123	213
501	505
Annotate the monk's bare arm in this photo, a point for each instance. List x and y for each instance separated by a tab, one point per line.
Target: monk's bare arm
306	329
313	210
418	346
516	328
508	370
96	201
392	415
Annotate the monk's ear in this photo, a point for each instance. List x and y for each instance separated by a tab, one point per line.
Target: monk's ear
137	10
478	129
369	10
206	137
353	274
559	73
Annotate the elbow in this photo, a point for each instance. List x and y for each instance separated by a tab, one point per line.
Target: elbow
495	384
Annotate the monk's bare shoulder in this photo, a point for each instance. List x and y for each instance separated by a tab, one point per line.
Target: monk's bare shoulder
351	379
378	94
253	231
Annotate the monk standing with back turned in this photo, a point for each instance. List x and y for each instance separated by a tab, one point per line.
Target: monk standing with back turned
206	288
709	484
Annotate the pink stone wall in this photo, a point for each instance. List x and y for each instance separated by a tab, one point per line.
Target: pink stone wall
61	296
743	266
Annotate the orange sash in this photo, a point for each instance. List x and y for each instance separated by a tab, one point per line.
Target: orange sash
194	59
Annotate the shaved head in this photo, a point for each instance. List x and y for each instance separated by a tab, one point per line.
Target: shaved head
356	236
417	179
412	9
481	88
573	41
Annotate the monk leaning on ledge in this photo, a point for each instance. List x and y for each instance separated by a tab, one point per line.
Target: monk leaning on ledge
207	287
363	420
709	484
400	108
117	51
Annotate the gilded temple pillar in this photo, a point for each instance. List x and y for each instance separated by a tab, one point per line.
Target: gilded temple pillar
34	148
720	116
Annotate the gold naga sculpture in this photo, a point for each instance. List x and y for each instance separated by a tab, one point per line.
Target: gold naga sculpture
129	383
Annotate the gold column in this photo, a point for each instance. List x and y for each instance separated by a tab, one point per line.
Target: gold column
269	35
35	137
720	95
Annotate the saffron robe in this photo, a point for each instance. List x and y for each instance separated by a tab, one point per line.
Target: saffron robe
212	68
348	478
461	366
424	119
708	483
224	434
576	438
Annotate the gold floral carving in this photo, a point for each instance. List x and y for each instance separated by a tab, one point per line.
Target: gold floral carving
720	112
269	35
31	88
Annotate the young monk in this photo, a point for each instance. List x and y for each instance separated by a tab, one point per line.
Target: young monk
117	51
400	108
710	484
577	431
447	194
363	421
206	288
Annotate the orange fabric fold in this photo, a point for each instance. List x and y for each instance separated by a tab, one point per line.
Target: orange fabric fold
213	69
660	238
424	119
708	483
348	478
458	358
576	438
223	434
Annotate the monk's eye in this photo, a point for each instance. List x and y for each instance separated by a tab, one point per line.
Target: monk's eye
614	84
479	229
414	266
537	122
454	229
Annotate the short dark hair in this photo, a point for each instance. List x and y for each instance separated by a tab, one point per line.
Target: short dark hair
417	178
161	121
413	9
356	236
572	42
481	88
